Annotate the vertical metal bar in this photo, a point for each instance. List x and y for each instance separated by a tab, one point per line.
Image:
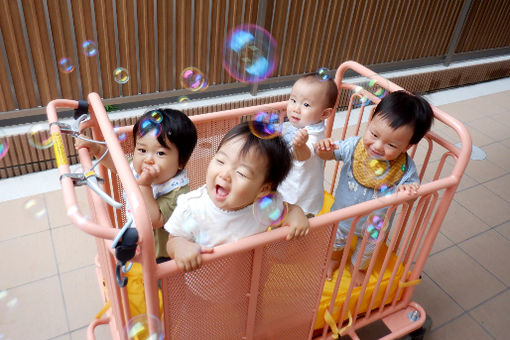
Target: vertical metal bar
8	71
297	38
192	36
282	50
94	29
209	27
70	12
156	50
313	25
261	21
137	47
117	47
52	47
29	53
174	45
457	31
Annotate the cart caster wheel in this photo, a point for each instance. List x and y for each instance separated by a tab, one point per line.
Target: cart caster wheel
419	334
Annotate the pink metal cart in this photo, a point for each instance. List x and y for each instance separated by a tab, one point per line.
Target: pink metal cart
263	287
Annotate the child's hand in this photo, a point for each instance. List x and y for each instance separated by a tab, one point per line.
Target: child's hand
187	254
94	148
297	221
333	263
410	188
149	173
300	138
325	148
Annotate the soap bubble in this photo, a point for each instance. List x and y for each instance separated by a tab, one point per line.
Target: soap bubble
66	65
377	168
266	125
138	328
35	207
39	136
270	209
4	144
89	48
121	75
149	126
385	190
250	53
156	116
122	136
193	79
323	74
374	226
369	86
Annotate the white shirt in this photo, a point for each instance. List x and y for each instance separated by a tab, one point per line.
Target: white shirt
197	219
304	185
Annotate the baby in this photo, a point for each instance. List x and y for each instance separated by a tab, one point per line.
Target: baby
400	120
311	101
164	140
244	167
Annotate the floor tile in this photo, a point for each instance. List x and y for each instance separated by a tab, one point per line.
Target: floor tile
492	251
23	216
483	203
500	186
498	154
463	328
69	255
460	224
27	258
439	306
38	314
467	282
506	142
478	138
504	230
463	111
441	242
502	118
489	127
57	210
82	298
65	336
493	315
484	170
102	332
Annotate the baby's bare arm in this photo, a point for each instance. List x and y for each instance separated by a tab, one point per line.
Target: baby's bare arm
185	253
96	150
297	221
301	150
325	149
410	188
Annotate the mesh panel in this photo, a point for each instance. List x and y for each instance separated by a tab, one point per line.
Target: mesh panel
211	302
290	286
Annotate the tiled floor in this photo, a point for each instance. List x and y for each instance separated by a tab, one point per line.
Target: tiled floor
48	287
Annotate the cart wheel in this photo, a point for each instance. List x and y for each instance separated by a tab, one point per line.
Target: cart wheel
420	332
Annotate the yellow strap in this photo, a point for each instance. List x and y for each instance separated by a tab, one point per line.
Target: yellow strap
403	284
103	310
332	324
58	148
89	173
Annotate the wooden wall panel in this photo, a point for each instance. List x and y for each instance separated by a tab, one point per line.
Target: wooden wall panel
127	45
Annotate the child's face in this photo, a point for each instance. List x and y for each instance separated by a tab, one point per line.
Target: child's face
383	142
307	104
233	181
150	154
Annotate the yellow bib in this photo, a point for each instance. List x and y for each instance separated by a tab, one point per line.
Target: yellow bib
373	173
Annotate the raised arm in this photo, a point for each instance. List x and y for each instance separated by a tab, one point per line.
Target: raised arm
96	150
297	221
325	149
301	151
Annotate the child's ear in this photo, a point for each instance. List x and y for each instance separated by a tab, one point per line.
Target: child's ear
265	189
409	146
326	113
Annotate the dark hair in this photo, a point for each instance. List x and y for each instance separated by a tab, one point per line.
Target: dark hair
329	87
279	158
176	128
403	108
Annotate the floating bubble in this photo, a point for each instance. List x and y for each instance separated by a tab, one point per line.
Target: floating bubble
121	75
122	136
193	79
66	65
4	144
370	86
375	226
157	116
149	126
323	74
266	125
183	100
89	48
270	209
39	136
384	190
138	328
250	54
35	208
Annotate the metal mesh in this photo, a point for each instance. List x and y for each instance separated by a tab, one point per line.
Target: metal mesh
290	286
211	302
